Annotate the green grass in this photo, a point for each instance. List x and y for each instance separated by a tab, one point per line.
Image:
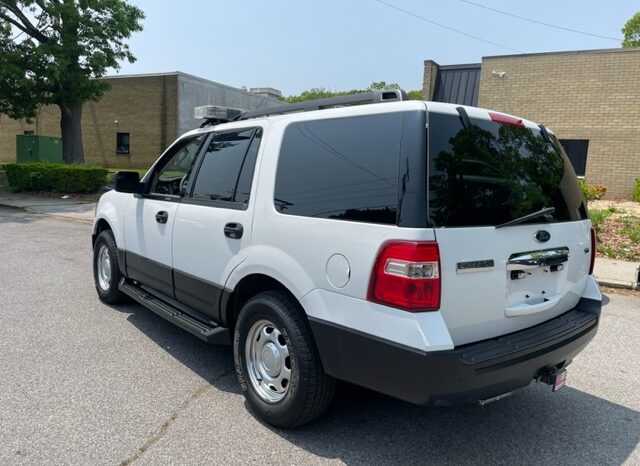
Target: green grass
598	216
618	235
631	227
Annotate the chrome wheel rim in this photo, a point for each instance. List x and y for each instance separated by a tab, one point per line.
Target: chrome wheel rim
104	268
268	361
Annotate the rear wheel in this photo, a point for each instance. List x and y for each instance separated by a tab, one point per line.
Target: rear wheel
277	364
106	270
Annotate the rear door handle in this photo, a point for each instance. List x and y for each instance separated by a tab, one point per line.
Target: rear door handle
162	216
233	230
535	259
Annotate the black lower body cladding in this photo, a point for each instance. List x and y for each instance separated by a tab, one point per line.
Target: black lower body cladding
468	373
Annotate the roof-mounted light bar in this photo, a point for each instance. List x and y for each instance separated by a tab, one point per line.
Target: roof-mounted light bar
214	114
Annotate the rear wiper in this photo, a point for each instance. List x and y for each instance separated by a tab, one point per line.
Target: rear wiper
542	212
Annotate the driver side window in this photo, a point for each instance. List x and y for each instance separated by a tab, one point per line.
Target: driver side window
173	176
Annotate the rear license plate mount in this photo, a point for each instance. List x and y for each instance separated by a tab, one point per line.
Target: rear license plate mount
560	380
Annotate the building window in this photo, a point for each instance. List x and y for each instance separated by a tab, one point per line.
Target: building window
576	150
122	143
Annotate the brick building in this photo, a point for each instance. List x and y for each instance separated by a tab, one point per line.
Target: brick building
136	119
589	98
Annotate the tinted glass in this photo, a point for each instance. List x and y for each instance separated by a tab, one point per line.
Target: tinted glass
491	173
576	150
218	175
246	173
344	168
173	176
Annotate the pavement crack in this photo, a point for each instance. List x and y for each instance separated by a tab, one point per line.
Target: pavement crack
166	424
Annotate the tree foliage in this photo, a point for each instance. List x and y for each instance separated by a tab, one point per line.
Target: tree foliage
631	31
52	51
321	92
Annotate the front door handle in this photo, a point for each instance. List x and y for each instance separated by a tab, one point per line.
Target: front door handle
233	230
162	216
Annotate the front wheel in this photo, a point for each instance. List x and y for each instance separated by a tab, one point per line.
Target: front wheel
106	271
277	363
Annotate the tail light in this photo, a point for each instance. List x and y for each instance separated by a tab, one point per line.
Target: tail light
593	251
406	275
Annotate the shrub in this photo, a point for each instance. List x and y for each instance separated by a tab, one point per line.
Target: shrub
636	191
592	191
57	177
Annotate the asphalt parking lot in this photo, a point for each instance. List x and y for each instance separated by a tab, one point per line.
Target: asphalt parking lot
85	383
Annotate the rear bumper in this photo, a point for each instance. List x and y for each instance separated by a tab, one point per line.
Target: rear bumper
467	373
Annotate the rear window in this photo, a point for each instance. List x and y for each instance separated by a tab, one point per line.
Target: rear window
344	169
490	173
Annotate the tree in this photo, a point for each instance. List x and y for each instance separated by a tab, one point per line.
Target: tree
52	52
321	92
631	31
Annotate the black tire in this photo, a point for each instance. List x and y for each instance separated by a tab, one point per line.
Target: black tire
310	390
110	294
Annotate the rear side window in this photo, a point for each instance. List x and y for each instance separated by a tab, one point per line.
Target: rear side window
345	168
243	189
227	168
490	173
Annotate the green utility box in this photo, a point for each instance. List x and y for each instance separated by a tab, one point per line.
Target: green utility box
33	148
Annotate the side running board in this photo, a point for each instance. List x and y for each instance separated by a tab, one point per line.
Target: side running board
206	331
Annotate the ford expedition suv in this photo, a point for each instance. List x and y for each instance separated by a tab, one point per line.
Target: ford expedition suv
436	253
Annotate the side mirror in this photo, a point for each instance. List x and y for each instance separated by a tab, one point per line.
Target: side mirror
128	182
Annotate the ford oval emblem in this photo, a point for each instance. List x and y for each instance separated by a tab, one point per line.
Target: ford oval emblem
542	236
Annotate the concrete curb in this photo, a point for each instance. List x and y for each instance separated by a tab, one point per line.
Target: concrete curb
49	214
611	283
63	217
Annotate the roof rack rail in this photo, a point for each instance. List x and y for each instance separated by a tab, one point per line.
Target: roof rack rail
464	117
545	133
369	97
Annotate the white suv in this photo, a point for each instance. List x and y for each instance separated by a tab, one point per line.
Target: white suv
432	252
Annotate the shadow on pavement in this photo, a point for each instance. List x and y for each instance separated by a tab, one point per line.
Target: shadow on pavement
202	358
533	426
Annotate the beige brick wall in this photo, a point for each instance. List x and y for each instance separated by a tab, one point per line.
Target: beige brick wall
429	79
144	106
592	95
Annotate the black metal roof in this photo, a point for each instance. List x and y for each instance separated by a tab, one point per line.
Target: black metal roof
458	84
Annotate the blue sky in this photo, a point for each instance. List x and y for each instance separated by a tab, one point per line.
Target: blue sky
295	45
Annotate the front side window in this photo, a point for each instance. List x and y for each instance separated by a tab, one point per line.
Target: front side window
227	167
344	169
172	177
